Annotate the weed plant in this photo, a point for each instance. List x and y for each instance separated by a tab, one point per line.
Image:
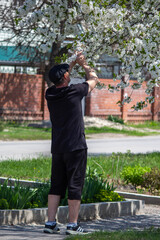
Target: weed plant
115	119
134	175
1	127
145	179
151	181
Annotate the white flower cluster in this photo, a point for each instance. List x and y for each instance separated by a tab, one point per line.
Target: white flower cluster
130	32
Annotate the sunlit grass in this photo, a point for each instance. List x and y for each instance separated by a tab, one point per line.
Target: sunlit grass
147	124
119	235
108	166
93	130
19	131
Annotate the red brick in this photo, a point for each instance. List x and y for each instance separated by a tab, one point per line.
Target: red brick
22	98
102	103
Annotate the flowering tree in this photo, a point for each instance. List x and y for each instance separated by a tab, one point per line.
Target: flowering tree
128	29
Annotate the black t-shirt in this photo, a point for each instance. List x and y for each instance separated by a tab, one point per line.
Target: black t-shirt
65	109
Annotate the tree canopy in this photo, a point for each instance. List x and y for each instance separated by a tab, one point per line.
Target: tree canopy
129	29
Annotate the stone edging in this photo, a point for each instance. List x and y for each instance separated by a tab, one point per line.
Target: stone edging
90	211
147	198
25	183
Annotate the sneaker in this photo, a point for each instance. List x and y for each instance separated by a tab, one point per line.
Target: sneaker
51	229
75	230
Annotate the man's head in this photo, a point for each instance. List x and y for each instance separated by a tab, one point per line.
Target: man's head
59	74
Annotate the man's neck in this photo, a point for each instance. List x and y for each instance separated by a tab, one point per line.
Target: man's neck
62	85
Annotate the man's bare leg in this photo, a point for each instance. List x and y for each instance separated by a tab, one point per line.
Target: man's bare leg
74	206
73	227
53	203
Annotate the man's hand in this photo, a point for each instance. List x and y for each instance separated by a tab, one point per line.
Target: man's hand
81	59
92	78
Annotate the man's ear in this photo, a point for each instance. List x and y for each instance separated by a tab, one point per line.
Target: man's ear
65	75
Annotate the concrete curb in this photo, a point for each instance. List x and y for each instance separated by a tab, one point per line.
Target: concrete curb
90	211
25	183
147	198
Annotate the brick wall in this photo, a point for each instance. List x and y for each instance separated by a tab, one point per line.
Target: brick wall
101	103
22	98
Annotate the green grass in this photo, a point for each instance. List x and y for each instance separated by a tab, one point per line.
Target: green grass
109	166
147	124
15	131
92	130
19	131
120	235
35	169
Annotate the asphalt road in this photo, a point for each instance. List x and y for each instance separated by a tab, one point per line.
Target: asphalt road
29	149
134	144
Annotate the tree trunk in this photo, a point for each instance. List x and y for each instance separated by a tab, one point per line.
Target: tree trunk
56	51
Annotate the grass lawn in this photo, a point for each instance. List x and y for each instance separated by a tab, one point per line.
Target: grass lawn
36	169
92	130
147	124
120	235
109	166
15	131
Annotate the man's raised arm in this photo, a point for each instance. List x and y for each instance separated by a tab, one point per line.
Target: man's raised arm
92	78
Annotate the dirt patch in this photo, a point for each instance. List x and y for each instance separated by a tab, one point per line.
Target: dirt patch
99	122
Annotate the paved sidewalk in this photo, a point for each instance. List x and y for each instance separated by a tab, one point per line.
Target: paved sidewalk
149	218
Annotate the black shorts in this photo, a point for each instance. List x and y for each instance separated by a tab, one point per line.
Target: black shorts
68	171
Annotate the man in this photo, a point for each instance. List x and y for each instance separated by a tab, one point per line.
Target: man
69	149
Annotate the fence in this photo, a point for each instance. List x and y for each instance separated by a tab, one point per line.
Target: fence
22	98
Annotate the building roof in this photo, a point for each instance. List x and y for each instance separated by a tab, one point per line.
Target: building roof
12	55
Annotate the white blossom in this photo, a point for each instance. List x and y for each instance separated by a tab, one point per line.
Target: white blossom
131	32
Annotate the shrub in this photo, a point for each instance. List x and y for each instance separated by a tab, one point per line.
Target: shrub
105	196
18	197
94	183
134	175
151	180
4	204
1	127
115	119
41	196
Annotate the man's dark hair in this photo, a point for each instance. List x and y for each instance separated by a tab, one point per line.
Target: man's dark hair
57	72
